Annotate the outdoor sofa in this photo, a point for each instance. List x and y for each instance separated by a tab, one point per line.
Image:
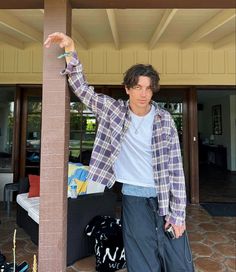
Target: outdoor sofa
80	211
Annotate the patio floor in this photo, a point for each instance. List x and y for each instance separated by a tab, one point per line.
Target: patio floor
212	239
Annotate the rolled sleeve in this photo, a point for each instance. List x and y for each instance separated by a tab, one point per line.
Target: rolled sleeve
74	66
96	102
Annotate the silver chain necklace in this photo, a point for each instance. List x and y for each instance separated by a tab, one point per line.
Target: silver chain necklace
136	129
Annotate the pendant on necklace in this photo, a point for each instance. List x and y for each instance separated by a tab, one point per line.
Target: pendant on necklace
136	129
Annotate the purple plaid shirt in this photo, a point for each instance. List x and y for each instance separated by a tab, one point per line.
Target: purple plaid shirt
114	119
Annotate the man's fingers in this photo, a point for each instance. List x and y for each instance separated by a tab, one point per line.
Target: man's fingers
166	225
63	44
177	232
56	37
48	42
56	34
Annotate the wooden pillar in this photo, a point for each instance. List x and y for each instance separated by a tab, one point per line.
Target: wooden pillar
54	145
193	147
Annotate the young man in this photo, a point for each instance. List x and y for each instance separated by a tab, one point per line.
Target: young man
137	144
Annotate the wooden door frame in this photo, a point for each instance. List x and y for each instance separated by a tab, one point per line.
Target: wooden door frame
26	92
16	135
190	140
193	145
195	159
183	92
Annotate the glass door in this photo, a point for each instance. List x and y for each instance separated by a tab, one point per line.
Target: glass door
83	127
7	113
175	102
31	132
176	111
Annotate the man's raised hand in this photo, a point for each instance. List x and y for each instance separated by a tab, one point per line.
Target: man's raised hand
61	39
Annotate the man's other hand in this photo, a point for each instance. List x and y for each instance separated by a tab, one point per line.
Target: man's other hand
179	230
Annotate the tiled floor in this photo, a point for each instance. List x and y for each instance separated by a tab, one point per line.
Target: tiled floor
213	242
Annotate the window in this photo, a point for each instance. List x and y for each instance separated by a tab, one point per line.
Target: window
83	126
7	95
176	111
33	135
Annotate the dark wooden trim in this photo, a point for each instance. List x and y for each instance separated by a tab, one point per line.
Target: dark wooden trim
25	94
120	86
181	94
193	146
174	87
17	135
152	4
39	4
24	4
28	86
216	87
23	134
186	145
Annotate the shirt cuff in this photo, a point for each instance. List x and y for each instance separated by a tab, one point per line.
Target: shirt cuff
179	221
70	68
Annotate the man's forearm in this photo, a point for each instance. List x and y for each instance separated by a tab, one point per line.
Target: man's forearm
70	48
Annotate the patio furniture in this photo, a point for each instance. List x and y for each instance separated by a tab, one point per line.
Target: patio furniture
80	211
9	188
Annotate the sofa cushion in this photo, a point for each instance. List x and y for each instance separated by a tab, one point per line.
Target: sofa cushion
33	212
34	188
25	202
79	173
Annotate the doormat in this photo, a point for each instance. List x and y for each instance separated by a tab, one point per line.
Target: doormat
220	209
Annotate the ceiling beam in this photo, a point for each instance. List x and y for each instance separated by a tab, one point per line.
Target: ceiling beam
225	40
12	22
165	21
113	25
76	36
217	21
11	41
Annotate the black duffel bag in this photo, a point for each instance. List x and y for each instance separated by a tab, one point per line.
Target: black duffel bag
109	247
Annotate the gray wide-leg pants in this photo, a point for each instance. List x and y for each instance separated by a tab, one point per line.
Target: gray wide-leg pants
147	248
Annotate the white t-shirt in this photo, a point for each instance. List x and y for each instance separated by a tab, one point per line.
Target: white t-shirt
134	163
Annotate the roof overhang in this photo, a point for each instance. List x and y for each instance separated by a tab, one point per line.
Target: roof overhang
39	4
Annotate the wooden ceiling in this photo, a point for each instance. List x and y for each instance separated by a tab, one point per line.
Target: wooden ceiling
124	27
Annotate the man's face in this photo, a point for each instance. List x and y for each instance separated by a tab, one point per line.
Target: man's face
140	95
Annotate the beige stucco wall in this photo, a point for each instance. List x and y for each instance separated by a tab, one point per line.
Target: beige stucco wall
198	65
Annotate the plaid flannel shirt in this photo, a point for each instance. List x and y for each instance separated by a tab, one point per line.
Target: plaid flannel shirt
114	119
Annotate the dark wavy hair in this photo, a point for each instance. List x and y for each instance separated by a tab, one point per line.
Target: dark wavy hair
131	76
